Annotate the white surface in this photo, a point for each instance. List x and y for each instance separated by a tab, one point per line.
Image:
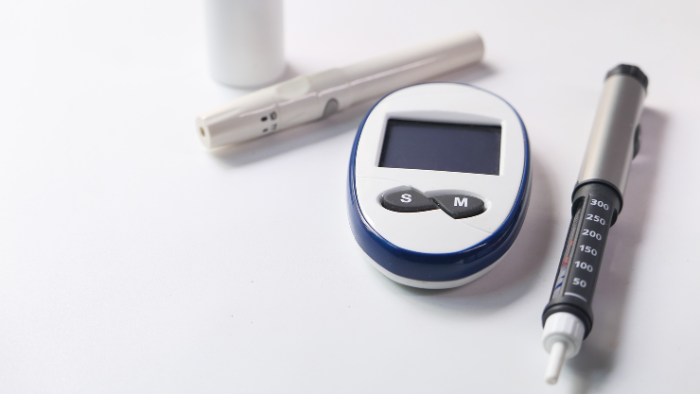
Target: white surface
304	98
435	231
132	260
245	40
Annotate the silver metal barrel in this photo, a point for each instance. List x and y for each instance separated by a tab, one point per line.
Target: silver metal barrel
611	146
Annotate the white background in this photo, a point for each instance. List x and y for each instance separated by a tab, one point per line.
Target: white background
134	261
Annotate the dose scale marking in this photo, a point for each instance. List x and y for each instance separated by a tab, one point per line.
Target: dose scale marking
580	263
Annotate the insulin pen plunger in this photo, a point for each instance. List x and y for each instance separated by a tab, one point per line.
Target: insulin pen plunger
246	41
596	203
311	97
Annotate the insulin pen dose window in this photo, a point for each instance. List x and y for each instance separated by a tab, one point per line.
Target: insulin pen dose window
451	147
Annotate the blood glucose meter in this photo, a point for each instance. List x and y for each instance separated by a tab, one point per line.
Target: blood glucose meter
439	184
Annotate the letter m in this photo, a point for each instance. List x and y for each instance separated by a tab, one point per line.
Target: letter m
461	202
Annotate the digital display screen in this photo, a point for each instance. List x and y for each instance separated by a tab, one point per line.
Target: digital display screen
450	147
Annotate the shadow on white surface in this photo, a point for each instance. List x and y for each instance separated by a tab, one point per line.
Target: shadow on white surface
515	274
314	132
597	357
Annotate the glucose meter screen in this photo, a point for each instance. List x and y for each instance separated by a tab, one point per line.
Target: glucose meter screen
450	147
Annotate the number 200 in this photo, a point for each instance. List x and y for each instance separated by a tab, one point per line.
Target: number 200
592	233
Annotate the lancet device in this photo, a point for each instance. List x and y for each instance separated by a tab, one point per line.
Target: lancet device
439	184
311	97
596	204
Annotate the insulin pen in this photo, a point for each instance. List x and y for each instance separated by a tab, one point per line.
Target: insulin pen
596	203
311	97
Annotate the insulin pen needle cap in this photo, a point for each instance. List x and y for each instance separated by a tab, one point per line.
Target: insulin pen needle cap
562	337
311	97
556	360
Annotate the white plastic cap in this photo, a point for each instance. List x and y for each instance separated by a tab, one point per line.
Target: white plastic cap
562	337
246	41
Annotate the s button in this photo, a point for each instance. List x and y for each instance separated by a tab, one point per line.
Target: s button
409	200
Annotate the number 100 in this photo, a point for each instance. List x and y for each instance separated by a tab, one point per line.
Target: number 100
584	266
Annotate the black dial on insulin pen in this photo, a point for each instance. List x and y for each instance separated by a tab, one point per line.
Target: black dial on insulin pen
585	250
596	207
435	146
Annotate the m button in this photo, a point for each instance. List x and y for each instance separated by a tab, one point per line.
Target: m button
460	206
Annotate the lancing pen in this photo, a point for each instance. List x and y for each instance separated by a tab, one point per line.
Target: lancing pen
311	97
596	203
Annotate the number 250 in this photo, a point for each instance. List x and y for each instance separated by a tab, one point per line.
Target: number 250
595	218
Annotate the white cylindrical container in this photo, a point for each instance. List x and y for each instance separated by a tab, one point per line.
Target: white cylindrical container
246	41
